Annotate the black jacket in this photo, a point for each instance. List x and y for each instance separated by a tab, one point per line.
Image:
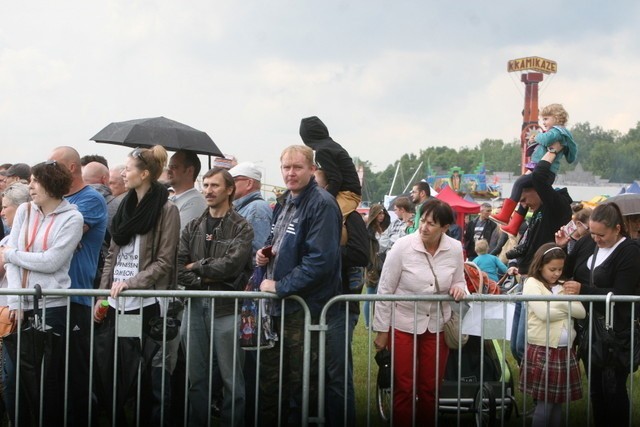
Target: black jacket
355	253
619	273
554	212
331	157
223	265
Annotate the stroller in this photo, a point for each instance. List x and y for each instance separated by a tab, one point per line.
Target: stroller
486	388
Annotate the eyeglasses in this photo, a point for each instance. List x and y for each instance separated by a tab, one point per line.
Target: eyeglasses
240	178
51	163
137	153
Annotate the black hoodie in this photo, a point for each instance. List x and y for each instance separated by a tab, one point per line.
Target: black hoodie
331	158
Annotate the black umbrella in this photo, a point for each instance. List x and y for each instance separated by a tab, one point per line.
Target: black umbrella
629	203
170	134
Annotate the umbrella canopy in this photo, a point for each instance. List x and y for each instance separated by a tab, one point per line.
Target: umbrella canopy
170	134
629	203
633	188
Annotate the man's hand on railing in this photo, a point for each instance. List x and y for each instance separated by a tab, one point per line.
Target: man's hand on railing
268	285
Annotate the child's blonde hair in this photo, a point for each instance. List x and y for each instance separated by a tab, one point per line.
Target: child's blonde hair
482	246
557	111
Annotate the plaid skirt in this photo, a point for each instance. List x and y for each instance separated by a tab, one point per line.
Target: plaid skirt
552	388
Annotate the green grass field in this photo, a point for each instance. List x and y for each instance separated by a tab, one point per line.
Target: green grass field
365	370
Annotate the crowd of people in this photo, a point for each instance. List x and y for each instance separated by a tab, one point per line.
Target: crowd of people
71	222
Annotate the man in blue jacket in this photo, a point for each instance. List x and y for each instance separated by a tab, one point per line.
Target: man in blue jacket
304	261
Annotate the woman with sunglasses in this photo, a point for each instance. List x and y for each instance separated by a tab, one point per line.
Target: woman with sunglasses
145	233
44	235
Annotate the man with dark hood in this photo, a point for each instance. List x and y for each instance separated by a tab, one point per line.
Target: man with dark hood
340	172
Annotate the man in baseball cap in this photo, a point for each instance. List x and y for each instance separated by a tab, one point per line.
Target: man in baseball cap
17	172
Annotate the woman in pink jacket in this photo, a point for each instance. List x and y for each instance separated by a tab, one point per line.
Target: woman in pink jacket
424	263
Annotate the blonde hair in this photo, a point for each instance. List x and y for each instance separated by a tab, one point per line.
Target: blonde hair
153	159
482	247
302	149
557	111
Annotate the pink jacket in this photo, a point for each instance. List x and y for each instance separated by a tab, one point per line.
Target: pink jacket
406	272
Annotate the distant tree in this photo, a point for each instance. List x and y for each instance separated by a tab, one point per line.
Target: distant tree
606	153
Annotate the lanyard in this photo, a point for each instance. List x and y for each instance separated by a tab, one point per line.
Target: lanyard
36	228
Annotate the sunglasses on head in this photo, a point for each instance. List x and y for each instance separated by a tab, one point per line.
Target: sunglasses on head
137	153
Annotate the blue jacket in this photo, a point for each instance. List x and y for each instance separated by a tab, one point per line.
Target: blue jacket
308	261
546	139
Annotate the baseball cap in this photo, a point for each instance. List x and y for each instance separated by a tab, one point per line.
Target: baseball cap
247	169
21	170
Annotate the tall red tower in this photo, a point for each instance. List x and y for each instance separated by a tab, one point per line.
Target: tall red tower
539	67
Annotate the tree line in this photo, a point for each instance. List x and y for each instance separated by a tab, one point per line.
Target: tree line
607	153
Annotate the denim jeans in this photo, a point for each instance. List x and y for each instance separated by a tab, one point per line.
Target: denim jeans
370	291
340	327
230	358
517	331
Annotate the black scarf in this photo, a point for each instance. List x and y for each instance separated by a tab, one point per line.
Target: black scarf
138	218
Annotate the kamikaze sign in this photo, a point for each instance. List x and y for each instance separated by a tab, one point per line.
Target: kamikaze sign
534	63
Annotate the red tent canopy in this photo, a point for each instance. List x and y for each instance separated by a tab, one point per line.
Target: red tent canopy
458	204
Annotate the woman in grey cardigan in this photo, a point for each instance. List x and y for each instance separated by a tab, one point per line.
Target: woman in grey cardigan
44	235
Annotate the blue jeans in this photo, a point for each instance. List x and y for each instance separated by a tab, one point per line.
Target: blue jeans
340	327
198	324
517	331
370	291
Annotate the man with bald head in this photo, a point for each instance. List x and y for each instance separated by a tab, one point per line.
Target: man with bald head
82	271
96	175
116	182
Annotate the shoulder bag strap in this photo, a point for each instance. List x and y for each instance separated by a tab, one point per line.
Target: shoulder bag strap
436	281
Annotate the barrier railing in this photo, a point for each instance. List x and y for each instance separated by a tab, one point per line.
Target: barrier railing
486	398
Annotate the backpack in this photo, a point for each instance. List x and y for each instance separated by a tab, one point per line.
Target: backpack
477	280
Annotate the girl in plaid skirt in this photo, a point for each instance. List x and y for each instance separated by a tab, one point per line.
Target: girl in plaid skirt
550	373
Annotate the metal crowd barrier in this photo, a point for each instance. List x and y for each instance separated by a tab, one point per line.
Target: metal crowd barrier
490	401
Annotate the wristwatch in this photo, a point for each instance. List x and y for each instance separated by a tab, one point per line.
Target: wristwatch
552	150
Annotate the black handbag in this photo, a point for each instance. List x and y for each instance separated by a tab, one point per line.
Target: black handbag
383	359
608	346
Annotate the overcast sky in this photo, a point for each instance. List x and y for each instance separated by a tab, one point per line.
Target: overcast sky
386	77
